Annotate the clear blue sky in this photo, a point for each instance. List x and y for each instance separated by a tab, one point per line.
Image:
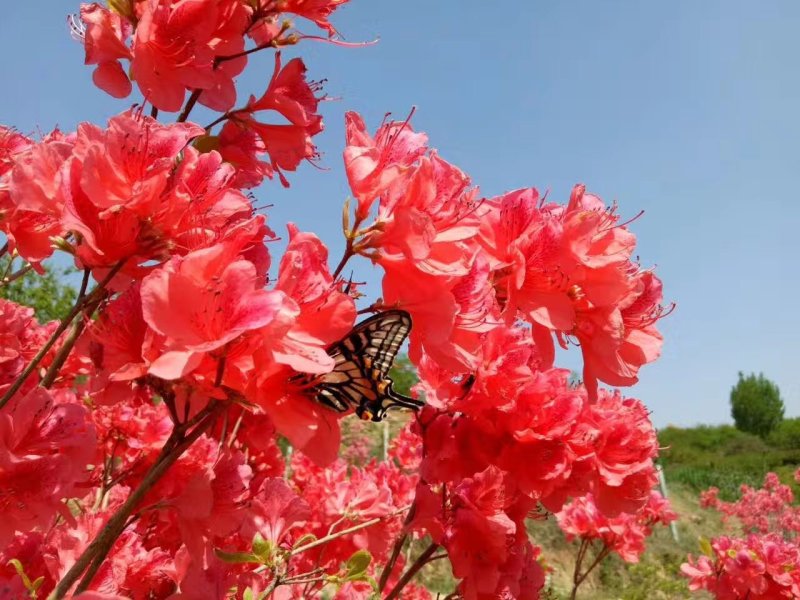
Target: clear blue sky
686	109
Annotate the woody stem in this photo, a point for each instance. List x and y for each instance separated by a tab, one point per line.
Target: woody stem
421	561
94	555
80	303
189	105
398	547
349	250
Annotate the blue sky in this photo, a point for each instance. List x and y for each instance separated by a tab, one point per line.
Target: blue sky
687	110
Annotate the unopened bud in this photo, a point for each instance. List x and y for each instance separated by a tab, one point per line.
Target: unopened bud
59	243
346	218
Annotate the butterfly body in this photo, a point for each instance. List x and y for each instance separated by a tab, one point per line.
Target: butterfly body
360	378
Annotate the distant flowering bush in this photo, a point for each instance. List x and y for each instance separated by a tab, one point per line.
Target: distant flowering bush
764	564
141	436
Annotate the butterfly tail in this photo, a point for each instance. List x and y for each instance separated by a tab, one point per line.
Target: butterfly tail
376	410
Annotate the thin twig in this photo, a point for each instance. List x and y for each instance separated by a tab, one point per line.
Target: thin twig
349	250
236	427
63	353
421	561
398	547
222	59
576	574
189	105
600	556
299	581
80	303
343	532
331	529
577	577
14	276
95	553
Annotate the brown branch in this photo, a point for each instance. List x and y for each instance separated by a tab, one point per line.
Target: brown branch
14	276
95	553
398	547
63	353
421	561
577	577
189	105
80	304
273	43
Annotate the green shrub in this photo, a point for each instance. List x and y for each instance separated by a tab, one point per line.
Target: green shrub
786	435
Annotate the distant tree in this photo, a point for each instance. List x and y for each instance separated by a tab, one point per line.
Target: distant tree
756	405
50	296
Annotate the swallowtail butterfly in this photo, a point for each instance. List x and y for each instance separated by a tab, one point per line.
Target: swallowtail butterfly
359	379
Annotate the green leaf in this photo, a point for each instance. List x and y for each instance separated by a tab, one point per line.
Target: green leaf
37	584
21	572
705	547
236	557
374	584
357	565
248	594
263	549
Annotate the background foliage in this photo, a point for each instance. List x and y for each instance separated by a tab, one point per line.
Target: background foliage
756	404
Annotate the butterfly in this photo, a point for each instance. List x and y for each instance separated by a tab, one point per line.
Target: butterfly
359	379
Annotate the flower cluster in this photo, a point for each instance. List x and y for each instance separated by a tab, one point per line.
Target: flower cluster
624	534
143	438
759	567
766	563
464	265
764	510
204	519
468	269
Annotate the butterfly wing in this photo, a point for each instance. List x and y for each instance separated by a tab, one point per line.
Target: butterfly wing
359	378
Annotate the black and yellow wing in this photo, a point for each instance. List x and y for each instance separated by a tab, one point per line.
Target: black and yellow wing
360	377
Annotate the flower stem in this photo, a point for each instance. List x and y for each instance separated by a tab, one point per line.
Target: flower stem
222	59
349	250
189	105
578	577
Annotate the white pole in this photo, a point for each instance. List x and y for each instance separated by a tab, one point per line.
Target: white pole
662	483
385	439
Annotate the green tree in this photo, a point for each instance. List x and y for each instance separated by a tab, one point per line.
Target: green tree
756	405
49	295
